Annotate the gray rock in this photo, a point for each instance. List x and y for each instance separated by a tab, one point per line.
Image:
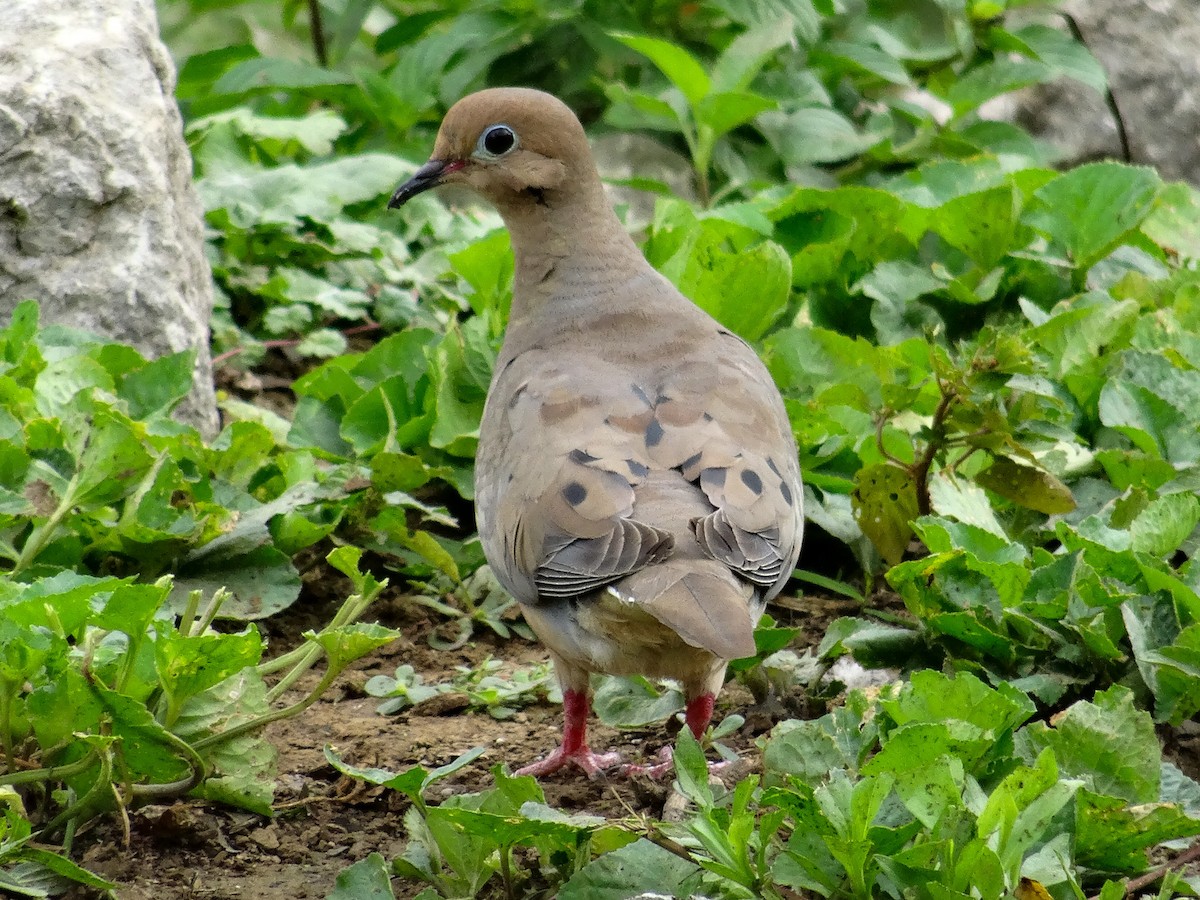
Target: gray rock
1151	52
99	221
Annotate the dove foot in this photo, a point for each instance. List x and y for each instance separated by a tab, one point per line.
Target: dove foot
592	763
574	749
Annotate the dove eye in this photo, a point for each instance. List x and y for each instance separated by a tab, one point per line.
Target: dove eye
497	140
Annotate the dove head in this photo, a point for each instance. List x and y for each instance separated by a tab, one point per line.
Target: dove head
516	147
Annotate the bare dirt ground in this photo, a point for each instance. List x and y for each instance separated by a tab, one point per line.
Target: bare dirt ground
323	822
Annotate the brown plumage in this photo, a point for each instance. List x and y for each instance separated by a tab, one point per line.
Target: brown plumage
637	487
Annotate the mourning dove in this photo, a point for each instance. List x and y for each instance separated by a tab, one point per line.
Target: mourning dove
637	483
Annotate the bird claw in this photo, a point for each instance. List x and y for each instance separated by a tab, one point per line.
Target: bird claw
593	764
656	771
666	764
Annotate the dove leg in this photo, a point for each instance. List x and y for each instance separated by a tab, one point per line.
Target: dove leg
574	749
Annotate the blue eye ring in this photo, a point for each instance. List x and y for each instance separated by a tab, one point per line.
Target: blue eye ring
496	141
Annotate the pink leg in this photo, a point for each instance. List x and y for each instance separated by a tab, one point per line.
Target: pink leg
574	748
698	714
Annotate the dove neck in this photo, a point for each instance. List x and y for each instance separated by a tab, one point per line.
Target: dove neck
568	244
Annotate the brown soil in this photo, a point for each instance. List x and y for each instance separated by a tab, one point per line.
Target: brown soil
324	822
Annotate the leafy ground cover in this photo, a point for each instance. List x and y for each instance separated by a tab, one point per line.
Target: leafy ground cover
992	369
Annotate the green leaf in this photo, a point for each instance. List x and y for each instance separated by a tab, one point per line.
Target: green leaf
1175	222
1000	76
815	134
683	69
1058	50
1031	487
633	702
746	292
1088	211
263	74
864	58
726	111
1113	836
367	879
242	769
1165	524
346	643
885	503
412	782
629	871
263	581
983	225
1109	743
190	664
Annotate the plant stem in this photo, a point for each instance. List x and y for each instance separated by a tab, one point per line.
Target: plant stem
53	773
262	721
183	785
305	656
103	783
317	27
506	871
7	691
189	613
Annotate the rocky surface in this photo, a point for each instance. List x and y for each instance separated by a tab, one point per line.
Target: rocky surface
1151	52
98	217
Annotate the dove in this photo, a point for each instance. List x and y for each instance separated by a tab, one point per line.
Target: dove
637	485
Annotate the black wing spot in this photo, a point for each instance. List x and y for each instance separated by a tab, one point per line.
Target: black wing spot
582	457
774	468
690	461
654	433
574	493
641	394
637	469
786	491
751	480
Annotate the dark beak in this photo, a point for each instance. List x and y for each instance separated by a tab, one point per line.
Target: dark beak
426	177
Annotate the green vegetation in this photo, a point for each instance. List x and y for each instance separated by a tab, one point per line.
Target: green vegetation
992	369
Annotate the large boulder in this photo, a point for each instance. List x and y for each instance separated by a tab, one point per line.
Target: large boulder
98	217
1151	52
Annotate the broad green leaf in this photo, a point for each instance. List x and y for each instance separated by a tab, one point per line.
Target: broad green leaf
263	581
683	69
367	879
156	387
726	111
1176	675
1111	835
346	643
1109	743
633	702
190	664
746	55
864	58
242	769
1089	210
746	292
629	871
933	697
487	266
263	74
1031	487
983	225
999	76
815	134
1163	526
1058	50
885	503
1175	222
